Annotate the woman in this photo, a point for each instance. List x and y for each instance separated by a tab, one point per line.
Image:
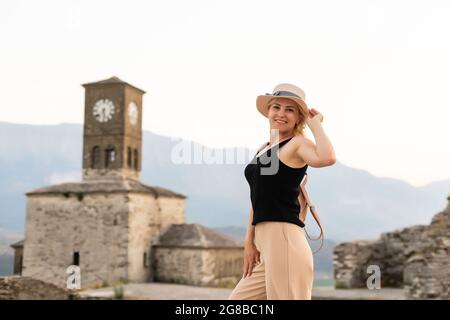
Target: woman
278	262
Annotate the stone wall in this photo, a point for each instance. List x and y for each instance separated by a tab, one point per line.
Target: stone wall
415	258
427	271
172	211
390	253
148	218
109	174
217	267
18	257
25	288
95	226
226	266
350	261
112	232
396	249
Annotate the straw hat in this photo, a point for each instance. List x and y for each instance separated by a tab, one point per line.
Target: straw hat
283	90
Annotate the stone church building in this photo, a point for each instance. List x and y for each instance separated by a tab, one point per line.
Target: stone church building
111	225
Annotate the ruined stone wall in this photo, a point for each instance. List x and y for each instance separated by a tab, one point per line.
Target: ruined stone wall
427	271
25	288
416	259
397	248
350	261
390	253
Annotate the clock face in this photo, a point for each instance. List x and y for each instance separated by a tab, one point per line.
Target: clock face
133	113
103	110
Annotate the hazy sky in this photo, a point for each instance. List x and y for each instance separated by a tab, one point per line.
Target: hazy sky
379	71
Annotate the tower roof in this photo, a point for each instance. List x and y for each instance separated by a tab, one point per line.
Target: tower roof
194	235
112	80
119	185
18	244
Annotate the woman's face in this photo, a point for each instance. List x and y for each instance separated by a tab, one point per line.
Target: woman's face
283	114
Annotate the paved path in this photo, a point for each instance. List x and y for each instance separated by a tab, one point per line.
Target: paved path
168	291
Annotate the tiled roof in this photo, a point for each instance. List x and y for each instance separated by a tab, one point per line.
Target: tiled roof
194	235
119	185
18	244
112	80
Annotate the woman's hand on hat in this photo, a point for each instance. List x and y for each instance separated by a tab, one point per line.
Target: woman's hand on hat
314	117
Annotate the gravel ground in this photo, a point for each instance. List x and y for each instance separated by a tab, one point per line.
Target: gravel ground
168	291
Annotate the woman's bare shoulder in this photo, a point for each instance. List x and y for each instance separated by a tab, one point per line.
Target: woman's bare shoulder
301	140
293	157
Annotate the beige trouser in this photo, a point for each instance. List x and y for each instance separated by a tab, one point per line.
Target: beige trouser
285	271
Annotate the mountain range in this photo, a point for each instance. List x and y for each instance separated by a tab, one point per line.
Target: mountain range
352	203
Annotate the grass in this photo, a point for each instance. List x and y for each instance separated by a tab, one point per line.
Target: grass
119	293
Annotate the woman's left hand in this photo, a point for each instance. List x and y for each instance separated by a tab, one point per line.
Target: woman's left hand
314	117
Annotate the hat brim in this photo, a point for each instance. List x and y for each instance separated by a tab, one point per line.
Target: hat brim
262	101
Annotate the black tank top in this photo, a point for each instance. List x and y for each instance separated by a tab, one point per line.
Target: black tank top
274	189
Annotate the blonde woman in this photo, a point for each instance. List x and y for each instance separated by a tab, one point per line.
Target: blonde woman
278	261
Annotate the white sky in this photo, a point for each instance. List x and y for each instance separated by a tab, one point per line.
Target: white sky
378	71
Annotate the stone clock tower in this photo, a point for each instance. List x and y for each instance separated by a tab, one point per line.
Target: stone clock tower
112	130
